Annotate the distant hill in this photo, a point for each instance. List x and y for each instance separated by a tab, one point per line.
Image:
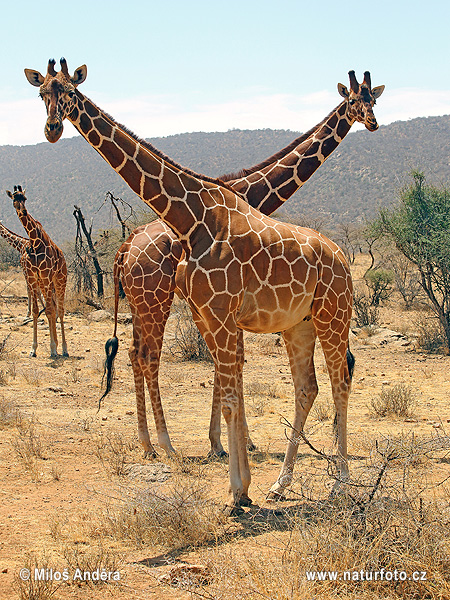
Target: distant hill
365	172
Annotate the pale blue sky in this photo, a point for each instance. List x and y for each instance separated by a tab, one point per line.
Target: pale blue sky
170	67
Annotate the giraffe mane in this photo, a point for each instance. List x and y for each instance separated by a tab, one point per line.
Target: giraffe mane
278	155
145	144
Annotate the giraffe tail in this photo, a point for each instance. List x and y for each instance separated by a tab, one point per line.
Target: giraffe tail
351	367
111	348
112	345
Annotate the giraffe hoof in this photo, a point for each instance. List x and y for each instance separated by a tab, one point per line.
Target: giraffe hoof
66	354
212	454
251	447
274	496
244	500
233	510
150	454
33	354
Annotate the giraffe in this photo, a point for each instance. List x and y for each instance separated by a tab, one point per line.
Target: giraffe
146	262
46	273
21	244
242	270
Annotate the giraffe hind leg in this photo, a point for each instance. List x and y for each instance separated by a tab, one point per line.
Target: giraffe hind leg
300	343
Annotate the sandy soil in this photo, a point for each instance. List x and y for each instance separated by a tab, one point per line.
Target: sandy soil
70	484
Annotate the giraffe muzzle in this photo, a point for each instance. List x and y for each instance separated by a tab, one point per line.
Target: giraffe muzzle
53	130
371	124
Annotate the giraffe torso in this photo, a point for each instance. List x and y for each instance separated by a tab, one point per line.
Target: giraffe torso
269	273
147	261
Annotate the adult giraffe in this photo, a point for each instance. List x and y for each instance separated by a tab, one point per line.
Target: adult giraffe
146	262
46	273
243	270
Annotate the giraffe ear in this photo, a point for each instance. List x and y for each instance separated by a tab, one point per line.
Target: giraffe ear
79	75
343	91
34	77
9	193
377	91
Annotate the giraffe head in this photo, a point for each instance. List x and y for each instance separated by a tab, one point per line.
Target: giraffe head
361	99
58	90
18	197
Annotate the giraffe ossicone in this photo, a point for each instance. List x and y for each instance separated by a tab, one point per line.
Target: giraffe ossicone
45	273
243	270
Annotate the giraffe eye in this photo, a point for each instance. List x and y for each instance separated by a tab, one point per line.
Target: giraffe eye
71	94
352	102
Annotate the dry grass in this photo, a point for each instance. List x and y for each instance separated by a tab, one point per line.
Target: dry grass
35	588
114	451
430	338
9	413
180	515
172	511
33	377
93	564
398	400
322	410
30	447
391	521
28	443
187	343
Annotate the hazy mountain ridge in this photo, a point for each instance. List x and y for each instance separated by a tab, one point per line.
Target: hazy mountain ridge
365	171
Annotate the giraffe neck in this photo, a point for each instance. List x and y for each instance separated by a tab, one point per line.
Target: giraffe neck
34	229
268	185
16	241
170	190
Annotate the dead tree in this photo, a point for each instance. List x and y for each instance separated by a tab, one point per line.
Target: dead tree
126	229
83	256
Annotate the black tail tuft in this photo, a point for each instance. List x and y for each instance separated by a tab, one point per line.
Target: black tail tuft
111	347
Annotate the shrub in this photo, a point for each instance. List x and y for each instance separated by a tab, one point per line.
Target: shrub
379	283
364	313
431	337
398	400
188	344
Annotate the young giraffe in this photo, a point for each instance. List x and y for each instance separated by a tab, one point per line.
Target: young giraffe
146	262
22	245
243	270
47	272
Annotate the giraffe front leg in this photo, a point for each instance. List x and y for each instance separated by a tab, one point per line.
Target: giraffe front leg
35	312
214	428
35	338
63	337
220	334
60	290
50	311
240	359
214	424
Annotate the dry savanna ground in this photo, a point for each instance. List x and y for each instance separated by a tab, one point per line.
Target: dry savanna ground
77	496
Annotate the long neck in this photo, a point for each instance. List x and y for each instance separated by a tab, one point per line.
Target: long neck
34	229
171	191
16	241
269	184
